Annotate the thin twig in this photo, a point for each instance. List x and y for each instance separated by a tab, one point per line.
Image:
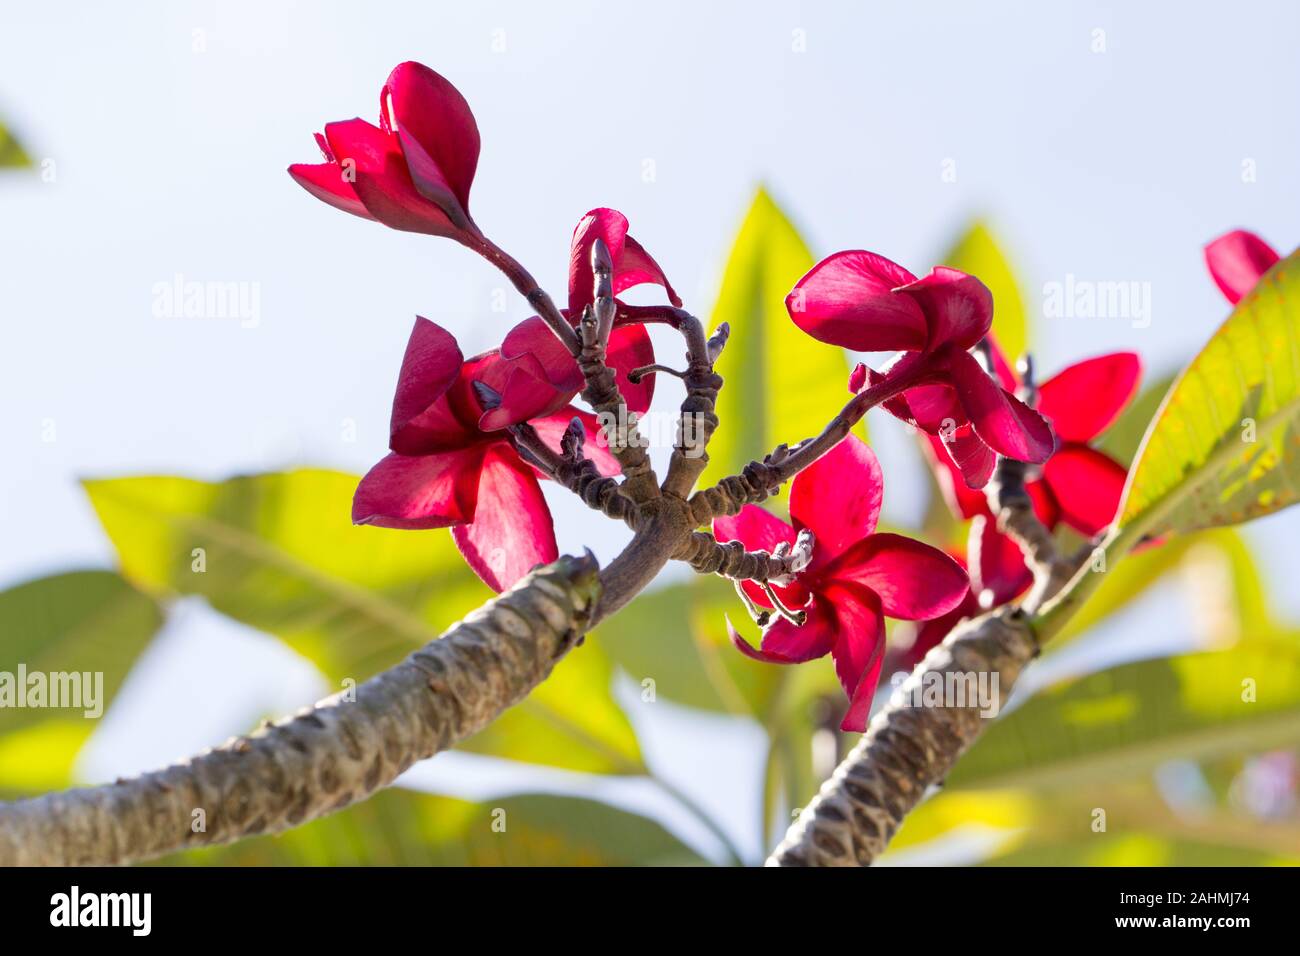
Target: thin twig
523	281
760	480
602	393
707	555
576	472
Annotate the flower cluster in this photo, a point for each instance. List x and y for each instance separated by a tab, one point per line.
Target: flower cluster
454	461
471	439
1078	486
857	577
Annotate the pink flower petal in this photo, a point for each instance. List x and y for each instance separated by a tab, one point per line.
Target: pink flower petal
998	566
511	531
935	408
795	643
525	389
931	633
973	460
859	649
325	181
551	428
629	348
958	307
838	497
913	581
1086	485
932	408
754	527
1045	506
855	719
382	182
1082	400
860	376
451	420
1006	424
637	267
847	299
749	650
428	491
429	368
533	336
962	498
632	264
438	136
898	406
1236	262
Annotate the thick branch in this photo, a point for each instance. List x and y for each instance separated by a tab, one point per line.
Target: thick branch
907	748
328	756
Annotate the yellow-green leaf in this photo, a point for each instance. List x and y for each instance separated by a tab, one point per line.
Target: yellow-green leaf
1127	720
12	153
1220	556
1225	446
86	626
977	252
279	552
781	384
677	637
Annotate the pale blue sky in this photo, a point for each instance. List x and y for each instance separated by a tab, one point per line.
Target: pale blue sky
1114	165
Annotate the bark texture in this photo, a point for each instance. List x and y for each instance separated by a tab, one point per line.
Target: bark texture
327	756
906	749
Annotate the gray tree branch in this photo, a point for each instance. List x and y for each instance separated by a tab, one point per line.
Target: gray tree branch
327	756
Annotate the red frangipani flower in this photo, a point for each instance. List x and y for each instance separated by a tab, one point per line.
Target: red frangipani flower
862	301
414	170
1237	260
629	345
1078	486
448	470
929	633
856	577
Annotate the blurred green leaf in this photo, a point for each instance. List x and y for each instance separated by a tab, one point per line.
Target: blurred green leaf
1225	446
1137	848
1128	719
279	552
978	253
1023	828
677	636
782	385
12	154
399	827
1146	567
83	623
1123	438
1220	549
